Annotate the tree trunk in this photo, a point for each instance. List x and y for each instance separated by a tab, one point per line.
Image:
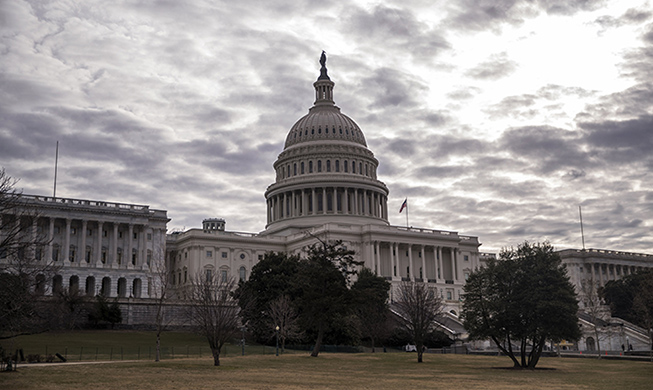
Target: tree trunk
598	346
283	344
420	352
216	356
318	342
158	347
372	338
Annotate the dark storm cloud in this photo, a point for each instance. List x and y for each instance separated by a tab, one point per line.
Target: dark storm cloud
490	14
396	29
631	16
547	149
497	66
628	141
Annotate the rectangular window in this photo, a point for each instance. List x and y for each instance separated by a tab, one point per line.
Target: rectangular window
149	236
104	233
224	276
57	229
260	257
89	232
135	236
449	295
119	234
466	258
209	253
208	276
73	230
224	255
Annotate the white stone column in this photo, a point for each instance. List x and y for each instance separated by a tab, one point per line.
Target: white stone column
393	260
345	201
98	252
130	239
454	259
142	246
313	201
50	239
377	270
284	209
424	276
82	244
324	201
410	263
114	246
439	271
66	247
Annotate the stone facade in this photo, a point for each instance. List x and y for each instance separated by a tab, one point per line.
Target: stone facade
97	247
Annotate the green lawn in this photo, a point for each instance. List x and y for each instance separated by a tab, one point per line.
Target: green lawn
260	369
103	345
336	371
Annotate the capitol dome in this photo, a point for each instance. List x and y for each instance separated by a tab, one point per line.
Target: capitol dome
325	173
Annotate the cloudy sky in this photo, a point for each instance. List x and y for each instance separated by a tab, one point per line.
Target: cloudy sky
495	118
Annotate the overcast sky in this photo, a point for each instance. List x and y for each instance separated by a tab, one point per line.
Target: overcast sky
495	118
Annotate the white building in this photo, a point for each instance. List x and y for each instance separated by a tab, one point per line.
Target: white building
326	185
97	247
591	269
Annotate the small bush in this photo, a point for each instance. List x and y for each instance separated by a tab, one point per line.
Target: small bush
34	358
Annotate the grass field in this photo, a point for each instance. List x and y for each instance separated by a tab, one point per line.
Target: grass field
335	371
299	371
102	345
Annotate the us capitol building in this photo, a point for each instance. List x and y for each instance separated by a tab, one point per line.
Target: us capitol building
326	188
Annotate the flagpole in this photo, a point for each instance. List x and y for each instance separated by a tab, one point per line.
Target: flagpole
56	161
582	234
406	212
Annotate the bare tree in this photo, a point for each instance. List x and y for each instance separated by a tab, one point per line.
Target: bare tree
592	302
24	270
283	314
417	308
160	285
214	311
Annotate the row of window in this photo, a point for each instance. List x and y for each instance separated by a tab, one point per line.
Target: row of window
355	133
208	274
105	233
90	288
337	166
72	254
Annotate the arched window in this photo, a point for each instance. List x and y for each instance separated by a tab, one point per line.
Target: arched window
57	284
360	168
73	284
90	286
122	287
294	168
310	167
319	165
337	165
242	273
302	168
328	165
345	165
353	167
136	288
106	286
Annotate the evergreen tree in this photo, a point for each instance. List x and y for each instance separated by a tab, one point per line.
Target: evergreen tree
523	299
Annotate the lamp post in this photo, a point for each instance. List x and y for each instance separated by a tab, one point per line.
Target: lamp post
276	329
242	340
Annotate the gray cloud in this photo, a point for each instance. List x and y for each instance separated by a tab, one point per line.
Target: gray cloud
496	67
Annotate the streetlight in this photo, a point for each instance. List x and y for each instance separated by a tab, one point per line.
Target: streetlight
277	333
242	340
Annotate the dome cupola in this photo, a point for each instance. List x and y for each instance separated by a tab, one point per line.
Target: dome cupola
325	173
